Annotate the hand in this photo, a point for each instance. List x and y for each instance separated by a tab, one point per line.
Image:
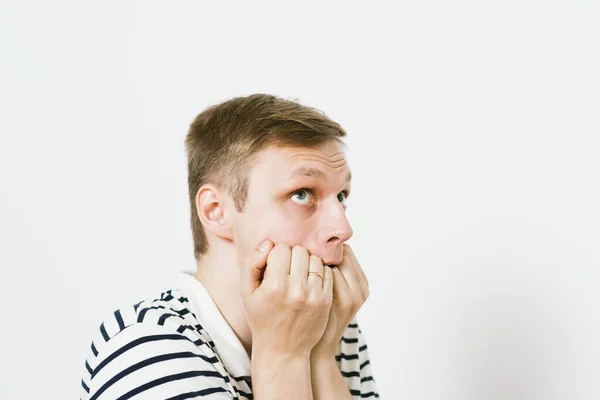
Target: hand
350	291
287	311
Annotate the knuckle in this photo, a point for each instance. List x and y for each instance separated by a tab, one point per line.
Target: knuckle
315	259
297	299
276	289
280	248
346	304
297	250
248	260
272	255
313	301
278	253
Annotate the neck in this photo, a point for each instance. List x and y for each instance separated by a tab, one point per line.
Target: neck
219	273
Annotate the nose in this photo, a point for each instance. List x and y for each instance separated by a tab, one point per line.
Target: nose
335	226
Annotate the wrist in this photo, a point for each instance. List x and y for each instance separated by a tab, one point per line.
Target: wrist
322	357
264	356
323	369
277	375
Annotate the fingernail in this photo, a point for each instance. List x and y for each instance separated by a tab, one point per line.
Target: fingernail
264	245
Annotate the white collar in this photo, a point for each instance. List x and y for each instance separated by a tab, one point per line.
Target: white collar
227	345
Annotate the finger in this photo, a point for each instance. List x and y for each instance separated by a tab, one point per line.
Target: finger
362	278
340	286
299	265
348	270
328	281
316	265
254	265
278	265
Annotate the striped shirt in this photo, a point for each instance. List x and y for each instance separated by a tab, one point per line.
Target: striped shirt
179	346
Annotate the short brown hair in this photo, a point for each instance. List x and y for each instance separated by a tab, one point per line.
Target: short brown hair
223	140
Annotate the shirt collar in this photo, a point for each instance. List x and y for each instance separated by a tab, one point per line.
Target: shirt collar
227	344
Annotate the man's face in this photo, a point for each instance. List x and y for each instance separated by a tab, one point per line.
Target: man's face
297	196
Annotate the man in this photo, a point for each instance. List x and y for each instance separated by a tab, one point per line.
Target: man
270	311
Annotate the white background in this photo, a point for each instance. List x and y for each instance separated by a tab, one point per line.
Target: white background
473	139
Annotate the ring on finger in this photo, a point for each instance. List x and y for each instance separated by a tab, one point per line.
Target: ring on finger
315	273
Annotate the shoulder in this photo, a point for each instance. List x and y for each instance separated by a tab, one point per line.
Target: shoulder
154	340
168	312
171	307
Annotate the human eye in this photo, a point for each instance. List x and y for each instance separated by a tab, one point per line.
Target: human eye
301	196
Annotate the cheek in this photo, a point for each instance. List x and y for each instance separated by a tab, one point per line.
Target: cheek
280	225
251	229
285	229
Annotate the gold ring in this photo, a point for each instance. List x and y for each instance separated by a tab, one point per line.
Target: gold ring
315	273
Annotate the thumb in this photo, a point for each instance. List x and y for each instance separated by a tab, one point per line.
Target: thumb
254	265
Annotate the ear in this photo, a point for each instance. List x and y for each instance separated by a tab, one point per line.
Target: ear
211	205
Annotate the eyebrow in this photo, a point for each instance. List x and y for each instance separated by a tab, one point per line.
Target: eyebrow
314	173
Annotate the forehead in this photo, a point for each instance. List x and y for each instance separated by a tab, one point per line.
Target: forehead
327	161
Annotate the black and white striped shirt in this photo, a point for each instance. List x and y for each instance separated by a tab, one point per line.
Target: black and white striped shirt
179	346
